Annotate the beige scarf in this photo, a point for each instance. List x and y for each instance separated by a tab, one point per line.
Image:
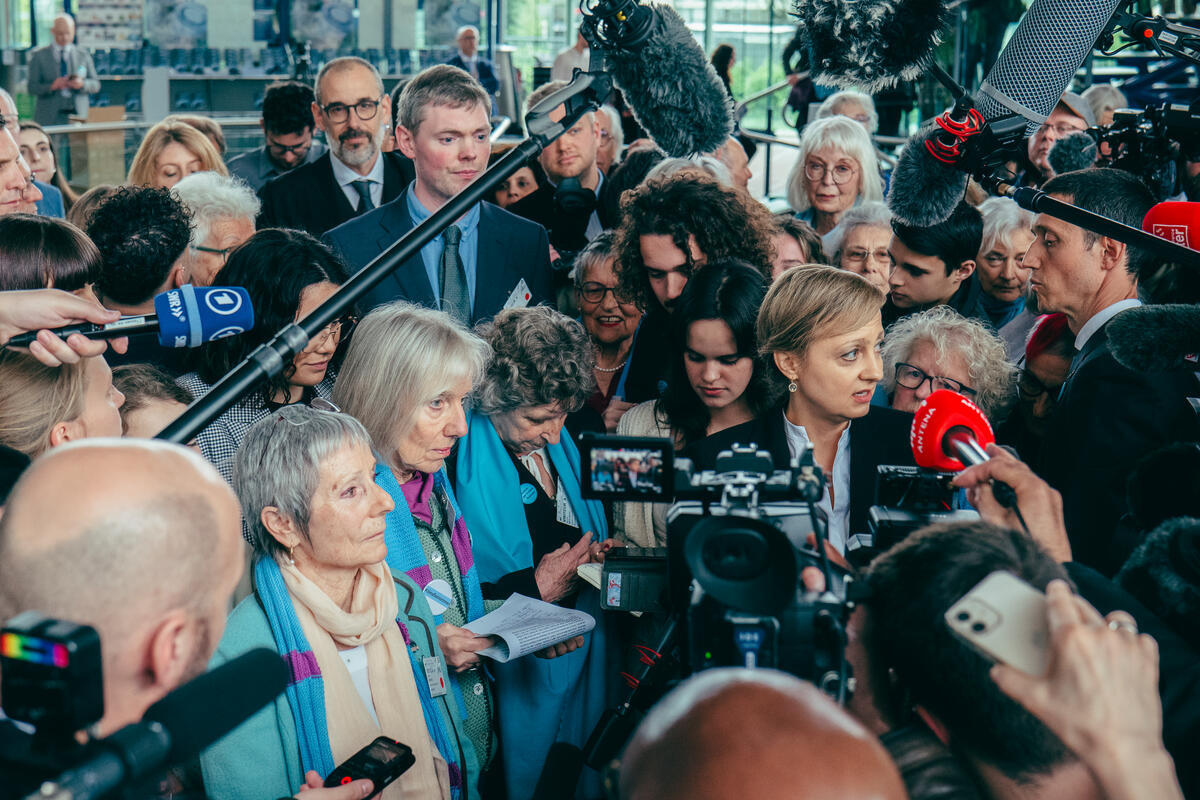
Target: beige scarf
370	623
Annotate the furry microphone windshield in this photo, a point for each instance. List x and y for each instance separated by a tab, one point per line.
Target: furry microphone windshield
924	191
1073	152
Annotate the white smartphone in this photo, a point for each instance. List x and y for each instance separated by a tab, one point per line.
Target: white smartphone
1004	618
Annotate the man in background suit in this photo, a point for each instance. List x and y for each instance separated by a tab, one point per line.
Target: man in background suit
1108	416
467	59
488	259
355	176
61	76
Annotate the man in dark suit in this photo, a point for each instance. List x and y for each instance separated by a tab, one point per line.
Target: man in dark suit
354	176
61	76
488	259
467	59
1108	416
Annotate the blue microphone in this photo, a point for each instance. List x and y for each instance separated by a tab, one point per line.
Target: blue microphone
185	317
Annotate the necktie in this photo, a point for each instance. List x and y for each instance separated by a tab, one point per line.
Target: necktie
62	63
456	301
363	188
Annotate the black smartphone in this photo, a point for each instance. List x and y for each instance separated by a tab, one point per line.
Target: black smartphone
382	761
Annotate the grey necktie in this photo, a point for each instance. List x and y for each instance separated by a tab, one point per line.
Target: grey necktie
456	300
363	187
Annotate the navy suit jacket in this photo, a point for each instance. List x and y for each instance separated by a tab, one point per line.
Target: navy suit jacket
510	248
308	198
487	74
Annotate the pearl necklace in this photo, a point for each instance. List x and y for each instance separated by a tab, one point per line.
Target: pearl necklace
612	369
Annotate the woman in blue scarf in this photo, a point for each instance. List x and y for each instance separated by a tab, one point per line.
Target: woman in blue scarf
518	482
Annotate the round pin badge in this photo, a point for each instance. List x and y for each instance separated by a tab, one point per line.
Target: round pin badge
528	493
440	596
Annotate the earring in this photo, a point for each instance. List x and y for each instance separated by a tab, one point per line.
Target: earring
792	387
291	559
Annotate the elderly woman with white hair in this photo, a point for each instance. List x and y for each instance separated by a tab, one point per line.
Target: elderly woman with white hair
1007	234
835	170
519	481
223	211
855	105
426	365
860	243
941	349
357	635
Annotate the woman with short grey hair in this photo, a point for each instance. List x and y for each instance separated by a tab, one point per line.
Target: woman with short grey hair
860	243
518	478
941	349
1007	234
849	103
358	635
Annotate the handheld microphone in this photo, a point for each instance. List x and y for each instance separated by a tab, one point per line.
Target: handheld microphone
949	433
1156	338
1073	152
185	317
176	728
671	87
1176	221
1018	94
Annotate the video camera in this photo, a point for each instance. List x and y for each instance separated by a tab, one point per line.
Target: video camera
1150	143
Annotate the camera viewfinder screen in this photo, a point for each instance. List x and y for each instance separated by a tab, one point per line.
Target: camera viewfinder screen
627	470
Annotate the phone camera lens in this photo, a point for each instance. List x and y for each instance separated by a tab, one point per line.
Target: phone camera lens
963	616
978	627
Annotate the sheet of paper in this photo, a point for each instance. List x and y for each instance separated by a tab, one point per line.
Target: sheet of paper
524	625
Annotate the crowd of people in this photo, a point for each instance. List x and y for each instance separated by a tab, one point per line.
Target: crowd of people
416	463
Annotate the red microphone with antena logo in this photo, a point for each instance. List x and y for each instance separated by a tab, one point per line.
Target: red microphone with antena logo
949	432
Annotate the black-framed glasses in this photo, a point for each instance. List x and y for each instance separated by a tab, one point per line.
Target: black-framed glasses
283	149
363	109
911	377
223	252
595	292
1029	387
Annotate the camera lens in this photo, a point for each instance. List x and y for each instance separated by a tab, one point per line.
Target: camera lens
979	627
963	616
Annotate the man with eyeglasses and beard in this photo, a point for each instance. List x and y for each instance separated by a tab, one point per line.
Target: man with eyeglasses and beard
287	126
355	176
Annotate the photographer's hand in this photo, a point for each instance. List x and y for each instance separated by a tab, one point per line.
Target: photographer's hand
1040	504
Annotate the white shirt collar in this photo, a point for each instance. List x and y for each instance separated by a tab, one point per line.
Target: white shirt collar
1100	318
837	512
345	176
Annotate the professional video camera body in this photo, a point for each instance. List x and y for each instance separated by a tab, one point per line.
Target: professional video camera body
1151	143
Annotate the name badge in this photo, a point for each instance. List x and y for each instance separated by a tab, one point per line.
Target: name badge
520	296
564	513
434	676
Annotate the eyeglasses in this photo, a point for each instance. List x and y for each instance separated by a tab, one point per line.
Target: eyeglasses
911	377
337	329
595	292
298	149
1029	387
842	173
340	112
1062	129
222	252
858	256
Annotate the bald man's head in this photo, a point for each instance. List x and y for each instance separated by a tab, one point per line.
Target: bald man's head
139	539
726	734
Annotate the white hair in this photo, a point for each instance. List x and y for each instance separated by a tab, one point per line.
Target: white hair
871	215
211	197
1002	216
1104	97
615	131
830	107
840	133
710	164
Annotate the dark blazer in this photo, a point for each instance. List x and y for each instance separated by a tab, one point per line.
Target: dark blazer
881	437
308	198
487	73
52	108
510	249
1107	418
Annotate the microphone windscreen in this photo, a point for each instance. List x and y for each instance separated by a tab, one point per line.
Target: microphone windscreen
205	709
1176	221
192	315
869	45
1073	152
1049	44
1156	338
942	412
672	89
924	191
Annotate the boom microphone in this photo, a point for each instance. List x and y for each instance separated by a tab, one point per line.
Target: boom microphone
176	728
185	317
1159	338
670	85
949	433
1073	152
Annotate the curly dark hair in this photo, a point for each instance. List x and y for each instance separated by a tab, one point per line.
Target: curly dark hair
287	108
727	224
539	357
275	267
140	233
732	292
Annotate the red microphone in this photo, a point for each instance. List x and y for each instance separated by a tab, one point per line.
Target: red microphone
1176	221
949	432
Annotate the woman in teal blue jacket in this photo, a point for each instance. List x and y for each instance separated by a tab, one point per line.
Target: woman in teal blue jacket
360	639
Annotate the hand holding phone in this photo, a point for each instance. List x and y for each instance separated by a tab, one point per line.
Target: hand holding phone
382	761
1004	618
